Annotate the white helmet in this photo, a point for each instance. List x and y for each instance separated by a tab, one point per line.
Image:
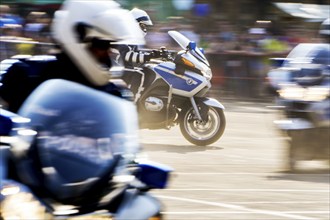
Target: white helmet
142	17
79	22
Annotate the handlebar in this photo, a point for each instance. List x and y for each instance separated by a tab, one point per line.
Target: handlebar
162	53
166	54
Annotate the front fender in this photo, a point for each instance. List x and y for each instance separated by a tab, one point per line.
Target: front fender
212	102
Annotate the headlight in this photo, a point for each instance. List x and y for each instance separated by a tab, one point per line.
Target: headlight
7	190
207	74
305	94
156	217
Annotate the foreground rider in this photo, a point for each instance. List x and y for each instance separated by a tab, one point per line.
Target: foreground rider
85	38
130	54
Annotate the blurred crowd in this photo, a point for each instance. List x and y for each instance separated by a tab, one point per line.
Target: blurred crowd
224	35
13	27
239	56
34	26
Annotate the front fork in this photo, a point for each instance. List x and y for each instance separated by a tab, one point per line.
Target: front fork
201	111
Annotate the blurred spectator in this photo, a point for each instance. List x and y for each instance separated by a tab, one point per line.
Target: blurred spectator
13	30
37	26
188	31
13	42
272	44
157	36
8	18
226	32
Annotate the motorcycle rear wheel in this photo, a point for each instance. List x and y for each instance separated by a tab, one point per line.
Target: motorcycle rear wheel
203	133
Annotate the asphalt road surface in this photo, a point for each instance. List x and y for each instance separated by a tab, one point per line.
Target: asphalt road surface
242	176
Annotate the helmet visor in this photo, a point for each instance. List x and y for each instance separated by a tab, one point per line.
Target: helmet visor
143	27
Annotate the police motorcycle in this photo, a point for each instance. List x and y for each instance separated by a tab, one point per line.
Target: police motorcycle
301	85
64	156
171	91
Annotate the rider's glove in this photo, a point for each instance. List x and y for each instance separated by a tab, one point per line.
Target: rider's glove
156	54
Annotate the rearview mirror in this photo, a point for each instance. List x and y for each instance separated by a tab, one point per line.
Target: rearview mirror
154	174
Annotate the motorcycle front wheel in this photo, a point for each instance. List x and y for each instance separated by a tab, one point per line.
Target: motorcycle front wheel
203	133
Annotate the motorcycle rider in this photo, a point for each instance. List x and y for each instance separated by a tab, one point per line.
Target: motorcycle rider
85	38
130	54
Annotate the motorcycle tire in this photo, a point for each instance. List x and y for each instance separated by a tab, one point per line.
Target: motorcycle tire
203	133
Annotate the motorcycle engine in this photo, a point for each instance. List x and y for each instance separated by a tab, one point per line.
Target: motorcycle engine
153	104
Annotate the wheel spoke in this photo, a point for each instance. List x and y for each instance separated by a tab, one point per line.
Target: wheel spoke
203	130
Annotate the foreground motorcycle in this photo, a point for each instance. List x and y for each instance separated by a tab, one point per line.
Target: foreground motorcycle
302	89
171	91
71	153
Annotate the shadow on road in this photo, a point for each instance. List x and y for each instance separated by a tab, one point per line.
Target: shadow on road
310	175
182	149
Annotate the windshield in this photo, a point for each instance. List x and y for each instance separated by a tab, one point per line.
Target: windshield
184	43
80	131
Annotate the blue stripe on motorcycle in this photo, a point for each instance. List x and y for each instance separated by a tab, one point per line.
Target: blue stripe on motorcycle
185	82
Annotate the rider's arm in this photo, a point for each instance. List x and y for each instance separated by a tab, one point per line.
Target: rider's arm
131	56
137	57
